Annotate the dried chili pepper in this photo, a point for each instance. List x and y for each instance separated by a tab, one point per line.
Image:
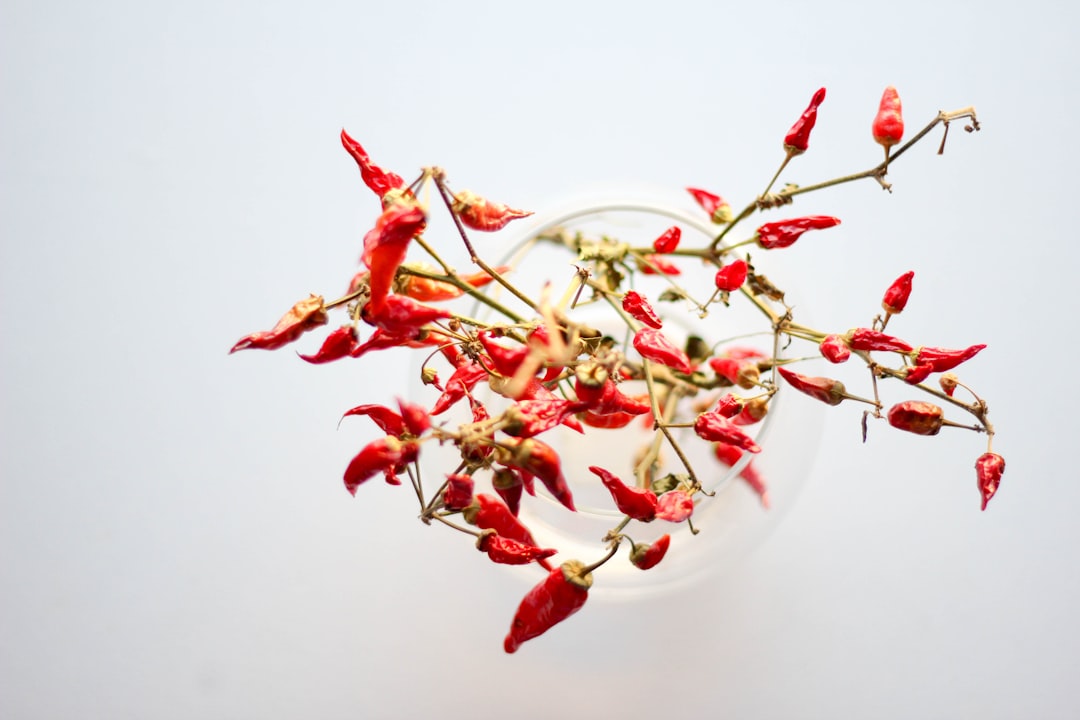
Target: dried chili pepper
400	315
540	460
459	385
754	411
484	215
824	389
385	247
737	371
382	340
915	374
487	512
338	344
430	290
611	421
888	125
504	360
507	551
561	594
657	265
915	416
638	503
527	418
729	455
669	240
477	446
718	208
897	295
731	277
948	383
379	181
784	233
645	555
508	485
989	467
867	339
639	308
674	506
729	406
653	345
834	349
387	455
942	359
301	317
714	427
458	494
605	398
797	139
388	421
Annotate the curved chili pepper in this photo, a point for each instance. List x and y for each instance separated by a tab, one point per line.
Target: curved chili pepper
510	552
729	406
732	276
653	345
915	374
729	455
784	233
399	314
561	594
658	265
385	247
714	427
888	125
607	399
834	349
527	418
668	240
478	447
504	360
416	418
379	181
942	359
611	421
388	421
301	317
867	339
718	208
797	139
484	215
645	556
897	295
540	460
459	385
387	455
915	416
744	373
754	411
338	344
637	503
487	512
459	492
824	389
674	506
989	467
508	485
639	308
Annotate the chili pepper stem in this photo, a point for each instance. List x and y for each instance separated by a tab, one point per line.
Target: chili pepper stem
459	528
610	554
787	159
950	423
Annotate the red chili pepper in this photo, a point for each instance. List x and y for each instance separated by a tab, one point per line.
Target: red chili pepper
867	339
416	418
754	411
729	406
504	360
743	373
798	137
399	314
607	399
429	290
459	385
303	316
718	208
740	352
539	459
824	389
458	493
658	265
834	349
674	506
714	427
510	552
387	455
784	233
989	467
888	125
942	359
638	503
487	512
612	421
385	247
668	240
478	447
897	295
560	595
914	416
729	455
652	345
915	374
527	418
388	421
732	276
484	215
639	308
338	344
508	485
379	181
382	340
645	556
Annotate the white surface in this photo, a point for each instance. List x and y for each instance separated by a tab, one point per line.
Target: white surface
174	539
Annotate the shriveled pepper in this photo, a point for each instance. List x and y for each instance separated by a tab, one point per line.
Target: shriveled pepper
540	460
484	215
824	389
834	349
653	345
637	503
429	290
729	455
674	506
338	344
387	455
897	295
658	265
400	314
646	555
989	467
301	317
561	594
527	418
487	512
459	385
916	416
754	411
942	359
867	339
459	492
508	485
507	551
915	374
378	180
385	247
888	125
731	277
668	240
599	394
504	360
718	208
611	421
714	427
638	307
784	233
737	371
797	139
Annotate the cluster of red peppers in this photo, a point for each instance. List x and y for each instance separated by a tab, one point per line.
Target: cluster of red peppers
534	371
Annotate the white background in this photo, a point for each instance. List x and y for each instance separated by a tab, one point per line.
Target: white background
174	538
